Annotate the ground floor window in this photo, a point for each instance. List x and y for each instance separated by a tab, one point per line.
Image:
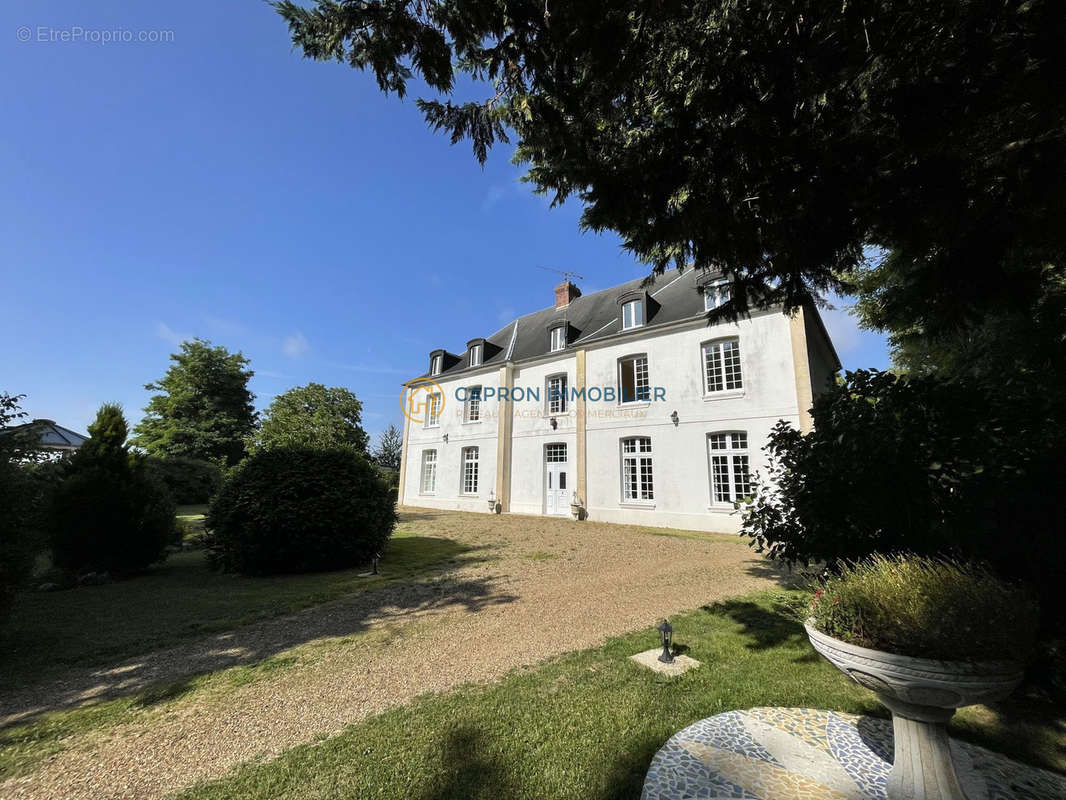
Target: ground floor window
555	453
730	478
637	482
429	471
470	464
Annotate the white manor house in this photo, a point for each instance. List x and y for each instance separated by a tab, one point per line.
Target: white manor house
620	406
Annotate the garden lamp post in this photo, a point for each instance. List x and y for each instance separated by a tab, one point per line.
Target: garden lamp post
666	634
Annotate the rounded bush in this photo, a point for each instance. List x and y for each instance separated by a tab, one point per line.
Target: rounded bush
299	510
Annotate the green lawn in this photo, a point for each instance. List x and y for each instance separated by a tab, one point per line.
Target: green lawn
586	725
181	598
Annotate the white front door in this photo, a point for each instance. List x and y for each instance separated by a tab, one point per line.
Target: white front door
557	480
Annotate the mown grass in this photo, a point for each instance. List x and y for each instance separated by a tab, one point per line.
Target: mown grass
586	725
182	598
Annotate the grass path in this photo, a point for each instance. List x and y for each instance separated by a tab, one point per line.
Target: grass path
544	587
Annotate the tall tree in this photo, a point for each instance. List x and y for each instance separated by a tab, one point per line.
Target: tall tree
204	407
313	416
390	448
772	140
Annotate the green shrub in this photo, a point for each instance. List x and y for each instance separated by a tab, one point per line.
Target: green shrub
189	480
107	513
924	607
957	469
16	554
114	520
299	509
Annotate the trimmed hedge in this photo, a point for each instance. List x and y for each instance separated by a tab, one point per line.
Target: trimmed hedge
299	510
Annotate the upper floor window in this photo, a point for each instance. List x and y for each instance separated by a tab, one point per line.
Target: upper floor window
435	365
637	479
716	294
633	383
435	405
632	314
475	355
557	394
429	472
730	476
558	336
470	464
472	406
721	366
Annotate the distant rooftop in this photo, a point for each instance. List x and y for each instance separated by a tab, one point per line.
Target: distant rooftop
51	436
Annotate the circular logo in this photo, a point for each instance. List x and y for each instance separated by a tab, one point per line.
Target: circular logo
422	400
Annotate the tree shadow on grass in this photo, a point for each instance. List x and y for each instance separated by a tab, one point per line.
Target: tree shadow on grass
165	674
764	629
471	769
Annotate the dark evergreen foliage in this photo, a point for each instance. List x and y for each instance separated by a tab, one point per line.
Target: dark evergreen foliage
772	140
925	466
16	554
188	480
299	510
107	513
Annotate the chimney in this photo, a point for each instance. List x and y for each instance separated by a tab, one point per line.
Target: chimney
566	292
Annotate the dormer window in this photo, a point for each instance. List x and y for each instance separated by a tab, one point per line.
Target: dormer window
716	294
558	338
435	365
632	314
475	355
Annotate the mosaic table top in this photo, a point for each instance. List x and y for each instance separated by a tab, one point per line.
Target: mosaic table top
777	753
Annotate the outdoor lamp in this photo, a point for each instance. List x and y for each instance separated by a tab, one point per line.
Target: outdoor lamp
666	633
554	423
674	418
446	438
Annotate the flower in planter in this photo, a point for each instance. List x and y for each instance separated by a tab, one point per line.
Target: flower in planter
926	608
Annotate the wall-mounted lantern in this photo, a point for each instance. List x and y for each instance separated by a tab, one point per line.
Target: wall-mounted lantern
554	423
445	438
675	418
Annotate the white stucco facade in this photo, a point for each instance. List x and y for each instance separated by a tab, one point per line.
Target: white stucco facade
518	438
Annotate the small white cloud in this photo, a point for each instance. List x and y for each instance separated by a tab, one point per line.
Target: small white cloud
295	345
168	334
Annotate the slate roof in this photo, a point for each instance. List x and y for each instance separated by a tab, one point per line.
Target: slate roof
52	436
672	297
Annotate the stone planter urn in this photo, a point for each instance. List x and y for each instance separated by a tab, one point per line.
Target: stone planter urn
922	695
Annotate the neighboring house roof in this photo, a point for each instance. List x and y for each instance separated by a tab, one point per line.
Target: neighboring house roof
673	297
51	436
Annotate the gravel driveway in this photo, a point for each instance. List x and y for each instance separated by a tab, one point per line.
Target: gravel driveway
529	588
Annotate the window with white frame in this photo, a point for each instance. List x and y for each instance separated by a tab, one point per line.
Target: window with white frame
475	355
435	365
555	453
470	463
632	314
721	366
716	294
633	383
433	414
558	335
637	484
730	476
557	394
472	406
429	472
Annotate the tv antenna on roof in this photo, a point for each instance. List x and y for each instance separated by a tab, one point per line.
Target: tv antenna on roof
564	273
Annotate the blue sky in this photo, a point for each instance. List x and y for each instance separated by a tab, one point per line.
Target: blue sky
218	185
